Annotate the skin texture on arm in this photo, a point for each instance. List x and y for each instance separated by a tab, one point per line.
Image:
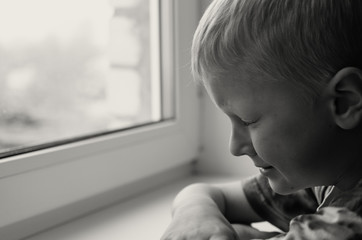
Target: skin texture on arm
228	198
203	211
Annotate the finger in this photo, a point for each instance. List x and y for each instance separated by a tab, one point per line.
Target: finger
248	232
269	234
223	237
172	237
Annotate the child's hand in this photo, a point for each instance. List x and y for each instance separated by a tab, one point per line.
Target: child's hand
246	232
200	227
199	213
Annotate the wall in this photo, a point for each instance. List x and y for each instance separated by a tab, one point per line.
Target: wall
214	137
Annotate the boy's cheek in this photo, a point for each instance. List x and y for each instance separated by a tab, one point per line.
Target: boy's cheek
268	144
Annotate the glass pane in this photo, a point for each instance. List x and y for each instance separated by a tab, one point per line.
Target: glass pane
71	68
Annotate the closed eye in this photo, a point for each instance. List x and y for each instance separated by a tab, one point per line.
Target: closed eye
247	123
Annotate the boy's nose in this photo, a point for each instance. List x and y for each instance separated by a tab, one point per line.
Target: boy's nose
241	144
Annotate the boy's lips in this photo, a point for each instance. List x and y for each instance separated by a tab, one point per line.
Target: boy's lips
263	168
261	164
266	167
266	171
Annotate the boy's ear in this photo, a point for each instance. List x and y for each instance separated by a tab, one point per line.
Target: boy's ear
344	93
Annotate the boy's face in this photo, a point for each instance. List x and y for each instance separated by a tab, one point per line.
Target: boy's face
294	144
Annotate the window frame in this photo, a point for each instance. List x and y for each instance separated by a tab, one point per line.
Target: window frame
39	182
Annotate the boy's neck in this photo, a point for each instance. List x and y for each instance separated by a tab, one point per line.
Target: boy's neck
351	178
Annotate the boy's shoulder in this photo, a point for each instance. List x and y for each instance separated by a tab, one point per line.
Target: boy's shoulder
333	223
338	214
351	199
281	209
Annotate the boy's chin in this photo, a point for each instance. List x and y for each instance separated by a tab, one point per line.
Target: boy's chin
282	187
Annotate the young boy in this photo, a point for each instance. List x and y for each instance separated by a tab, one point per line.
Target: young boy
288	75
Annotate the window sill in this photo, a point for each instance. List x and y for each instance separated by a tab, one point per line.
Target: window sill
143	217
84	207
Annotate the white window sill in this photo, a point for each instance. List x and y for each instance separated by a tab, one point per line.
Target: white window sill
143	217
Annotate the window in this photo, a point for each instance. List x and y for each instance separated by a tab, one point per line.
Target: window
38	188
75	69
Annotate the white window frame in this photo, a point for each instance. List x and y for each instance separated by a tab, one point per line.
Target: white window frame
41	182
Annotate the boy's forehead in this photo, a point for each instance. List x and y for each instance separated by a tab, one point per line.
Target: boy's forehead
247	88
242	80
223	88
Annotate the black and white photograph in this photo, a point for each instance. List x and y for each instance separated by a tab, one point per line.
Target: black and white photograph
180	120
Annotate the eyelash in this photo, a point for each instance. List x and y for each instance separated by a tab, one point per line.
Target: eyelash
247	124
243	122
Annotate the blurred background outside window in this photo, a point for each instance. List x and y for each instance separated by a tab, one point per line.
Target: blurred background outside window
76	68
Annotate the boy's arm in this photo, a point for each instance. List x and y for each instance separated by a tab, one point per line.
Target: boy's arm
228	198
203	211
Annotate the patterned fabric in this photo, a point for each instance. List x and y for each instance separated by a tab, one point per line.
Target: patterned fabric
318	213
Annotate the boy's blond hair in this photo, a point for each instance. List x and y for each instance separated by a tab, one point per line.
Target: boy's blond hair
304	41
